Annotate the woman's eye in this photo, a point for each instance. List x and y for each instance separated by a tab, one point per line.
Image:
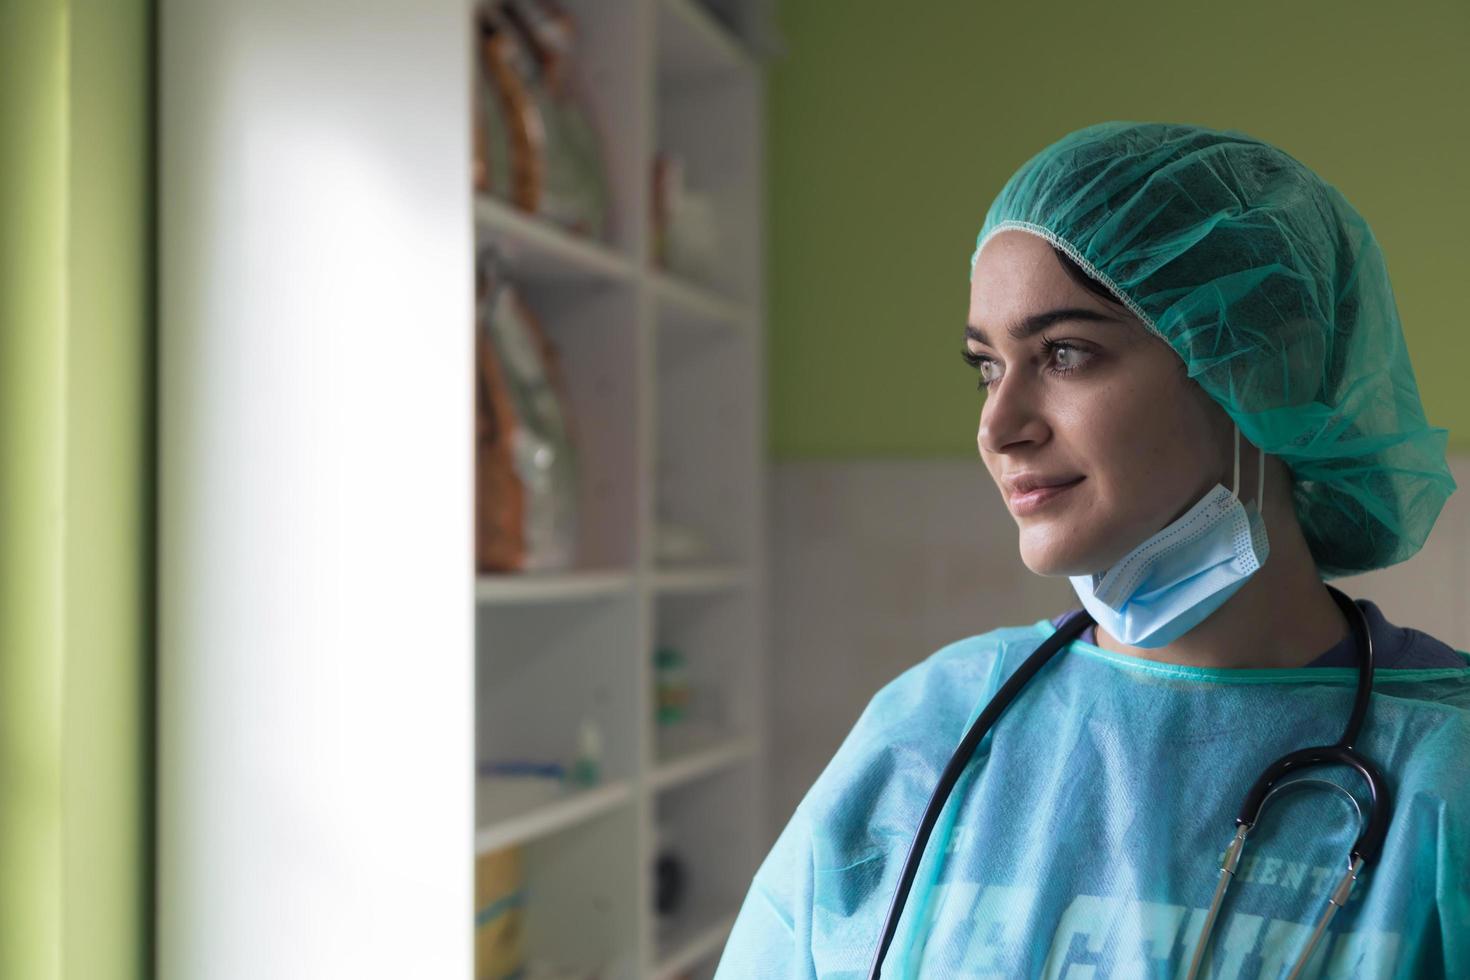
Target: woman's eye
1061	358
1066	358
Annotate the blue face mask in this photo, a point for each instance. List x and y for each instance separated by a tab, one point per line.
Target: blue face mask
1171	582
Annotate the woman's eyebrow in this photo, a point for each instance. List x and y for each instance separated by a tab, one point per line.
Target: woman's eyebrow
1037	322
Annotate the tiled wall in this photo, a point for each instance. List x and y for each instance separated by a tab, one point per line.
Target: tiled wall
876	564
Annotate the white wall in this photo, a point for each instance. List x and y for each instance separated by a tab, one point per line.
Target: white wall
877	564
316	608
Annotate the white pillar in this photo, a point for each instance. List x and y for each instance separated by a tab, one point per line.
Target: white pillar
316	600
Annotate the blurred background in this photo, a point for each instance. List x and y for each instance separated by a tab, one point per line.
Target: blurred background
465	466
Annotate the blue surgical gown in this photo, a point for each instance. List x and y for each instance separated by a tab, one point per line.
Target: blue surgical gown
1085	837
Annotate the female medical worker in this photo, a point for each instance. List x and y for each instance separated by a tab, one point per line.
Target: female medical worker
1142	297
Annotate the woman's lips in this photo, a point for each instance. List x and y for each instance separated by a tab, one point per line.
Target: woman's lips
1034	500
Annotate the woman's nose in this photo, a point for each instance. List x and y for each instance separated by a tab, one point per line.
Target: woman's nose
1011	416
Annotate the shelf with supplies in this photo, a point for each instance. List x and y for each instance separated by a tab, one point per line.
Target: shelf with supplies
620	455
686	766
499	823
537	250
684	303
700	579
525	587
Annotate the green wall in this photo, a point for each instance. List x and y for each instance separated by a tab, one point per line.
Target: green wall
75	486
33	55
892	127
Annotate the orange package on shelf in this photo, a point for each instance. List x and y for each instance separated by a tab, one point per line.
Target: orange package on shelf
500	503
525	462
573	192
511	138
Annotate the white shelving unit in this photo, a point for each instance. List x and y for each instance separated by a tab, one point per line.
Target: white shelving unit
665	377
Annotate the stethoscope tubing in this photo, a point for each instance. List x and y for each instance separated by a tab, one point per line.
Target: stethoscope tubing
1069	631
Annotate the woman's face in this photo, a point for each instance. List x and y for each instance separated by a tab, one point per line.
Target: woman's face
1081	397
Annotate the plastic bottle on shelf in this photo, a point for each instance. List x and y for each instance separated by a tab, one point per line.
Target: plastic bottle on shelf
670	876
587	767
671	685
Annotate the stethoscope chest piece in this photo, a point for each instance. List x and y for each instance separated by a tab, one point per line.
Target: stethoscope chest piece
1283	775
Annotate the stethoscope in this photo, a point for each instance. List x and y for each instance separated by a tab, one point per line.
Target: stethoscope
1270	782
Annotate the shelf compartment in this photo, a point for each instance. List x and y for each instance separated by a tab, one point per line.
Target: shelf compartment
714	635
710	124
534	587
545	669
693	43
708	826
707	439
539	251
580	919
692	940
706	760
498	825
596	332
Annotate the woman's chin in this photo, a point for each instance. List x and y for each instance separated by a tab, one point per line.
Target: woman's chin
1055	555
1048	570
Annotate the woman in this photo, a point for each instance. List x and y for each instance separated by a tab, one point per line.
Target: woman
1198	407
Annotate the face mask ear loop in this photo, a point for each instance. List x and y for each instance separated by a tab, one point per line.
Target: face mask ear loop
1235	480
1261	483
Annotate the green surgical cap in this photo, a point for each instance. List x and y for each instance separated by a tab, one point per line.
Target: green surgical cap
1271	287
